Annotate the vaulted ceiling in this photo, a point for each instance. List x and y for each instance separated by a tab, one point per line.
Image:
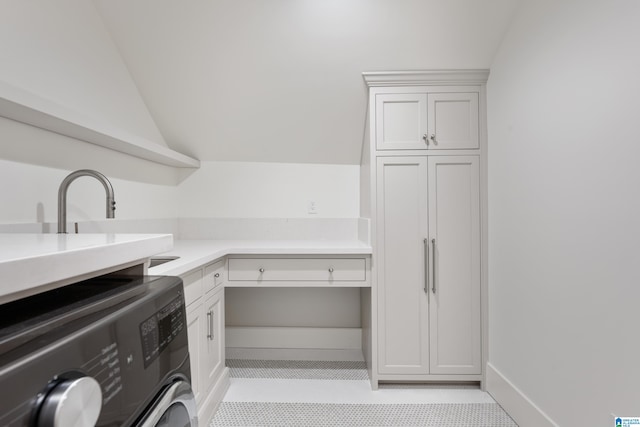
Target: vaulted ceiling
280	80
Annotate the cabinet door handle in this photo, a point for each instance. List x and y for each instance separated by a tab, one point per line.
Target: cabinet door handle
261	270
330	269
210	325
433	267
216	275
426	138
426	266
433	137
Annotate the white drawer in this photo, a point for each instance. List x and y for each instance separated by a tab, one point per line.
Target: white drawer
193	286
213	275
297	269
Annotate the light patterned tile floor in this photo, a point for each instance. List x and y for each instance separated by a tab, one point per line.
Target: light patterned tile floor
326	414
295	393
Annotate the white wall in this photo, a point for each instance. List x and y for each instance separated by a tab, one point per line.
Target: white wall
30	194
280	81
61	51
293	307
564	203
33	163
270	190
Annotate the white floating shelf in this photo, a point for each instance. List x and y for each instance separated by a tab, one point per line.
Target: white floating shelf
23	106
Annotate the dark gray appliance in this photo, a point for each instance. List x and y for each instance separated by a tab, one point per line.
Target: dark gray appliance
110	351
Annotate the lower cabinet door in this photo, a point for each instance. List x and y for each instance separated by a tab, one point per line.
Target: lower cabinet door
214	337
196	327
403	321
428	265
454	238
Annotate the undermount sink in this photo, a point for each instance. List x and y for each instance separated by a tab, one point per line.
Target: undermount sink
159	260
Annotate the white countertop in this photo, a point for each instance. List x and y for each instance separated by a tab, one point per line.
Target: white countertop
195	253
30	263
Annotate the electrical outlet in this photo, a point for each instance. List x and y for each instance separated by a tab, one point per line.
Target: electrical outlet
312	208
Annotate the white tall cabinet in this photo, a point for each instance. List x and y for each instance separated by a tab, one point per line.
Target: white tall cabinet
423	173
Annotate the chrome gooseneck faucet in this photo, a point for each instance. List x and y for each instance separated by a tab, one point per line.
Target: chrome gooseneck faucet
62	195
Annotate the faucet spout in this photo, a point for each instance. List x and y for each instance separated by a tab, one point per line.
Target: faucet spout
62	195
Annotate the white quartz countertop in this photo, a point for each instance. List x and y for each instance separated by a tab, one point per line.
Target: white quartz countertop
195	253
36	262
32	263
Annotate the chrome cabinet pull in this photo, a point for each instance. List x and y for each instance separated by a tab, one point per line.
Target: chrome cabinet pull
330	269
433	268
216	275
426	266
210	325
426	138
261	270
433	138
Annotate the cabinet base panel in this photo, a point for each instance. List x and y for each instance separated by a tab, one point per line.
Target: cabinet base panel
347	355
210	404
390	378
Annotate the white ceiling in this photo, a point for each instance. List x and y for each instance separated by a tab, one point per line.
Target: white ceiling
280	80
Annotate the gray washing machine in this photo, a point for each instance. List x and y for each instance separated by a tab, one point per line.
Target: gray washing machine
110	351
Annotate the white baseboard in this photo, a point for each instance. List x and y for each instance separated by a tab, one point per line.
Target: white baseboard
294	338
294	354
519	407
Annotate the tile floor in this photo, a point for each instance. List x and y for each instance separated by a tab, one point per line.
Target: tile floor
308	393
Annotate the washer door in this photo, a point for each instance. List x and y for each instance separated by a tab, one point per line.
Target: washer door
176	407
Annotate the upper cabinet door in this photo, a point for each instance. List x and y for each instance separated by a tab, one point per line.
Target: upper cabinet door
453	121
401	121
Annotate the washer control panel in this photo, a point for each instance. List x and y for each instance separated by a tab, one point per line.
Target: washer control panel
157	332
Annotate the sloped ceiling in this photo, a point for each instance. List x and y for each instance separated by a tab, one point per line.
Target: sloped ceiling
280	80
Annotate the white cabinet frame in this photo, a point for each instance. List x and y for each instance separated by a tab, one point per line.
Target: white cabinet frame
458	83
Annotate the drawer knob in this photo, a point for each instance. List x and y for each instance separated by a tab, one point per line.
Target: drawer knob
330	269
261	270
216	275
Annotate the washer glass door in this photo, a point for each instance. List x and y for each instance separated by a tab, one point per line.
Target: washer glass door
176	407
175	416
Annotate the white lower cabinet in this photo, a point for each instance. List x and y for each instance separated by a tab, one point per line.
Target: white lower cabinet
428	242
204	294
196	326
213	363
